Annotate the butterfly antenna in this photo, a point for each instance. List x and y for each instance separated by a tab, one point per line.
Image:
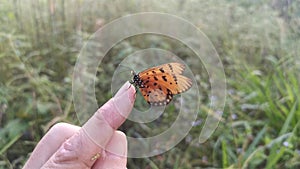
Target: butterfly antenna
132	73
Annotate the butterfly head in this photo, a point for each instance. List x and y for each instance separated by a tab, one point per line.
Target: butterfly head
133	77
136	80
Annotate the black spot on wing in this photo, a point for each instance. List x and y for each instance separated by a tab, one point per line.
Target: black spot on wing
170	66
164	78
169	91
175	78
169	98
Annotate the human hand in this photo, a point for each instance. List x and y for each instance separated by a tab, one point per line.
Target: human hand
68	146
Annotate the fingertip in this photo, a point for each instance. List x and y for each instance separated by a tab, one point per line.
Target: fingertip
127	90
110	116
119	107
127	87
131	93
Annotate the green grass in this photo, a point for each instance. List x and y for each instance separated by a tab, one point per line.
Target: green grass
257	42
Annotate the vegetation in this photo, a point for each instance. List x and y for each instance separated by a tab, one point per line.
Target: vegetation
258	43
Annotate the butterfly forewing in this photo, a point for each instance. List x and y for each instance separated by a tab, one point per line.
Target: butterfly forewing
170	68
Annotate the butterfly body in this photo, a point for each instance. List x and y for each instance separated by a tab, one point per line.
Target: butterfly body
159	84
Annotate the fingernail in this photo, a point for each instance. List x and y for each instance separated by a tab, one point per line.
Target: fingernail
123	103
123	89
127	87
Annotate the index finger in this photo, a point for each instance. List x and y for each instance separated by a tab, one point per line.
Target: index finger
84	147
101	126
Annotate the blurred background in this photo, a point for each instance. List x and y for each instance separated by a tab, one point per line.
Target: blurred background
257	41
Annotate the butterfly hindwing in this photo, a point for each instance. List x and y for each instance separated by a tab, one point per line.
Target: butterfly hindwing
156	96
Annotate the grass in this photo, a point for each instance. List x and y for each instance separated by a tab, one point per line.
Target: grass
256	40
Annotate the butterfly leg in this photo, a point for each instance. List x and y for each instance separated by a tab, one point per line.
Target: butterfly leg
131	83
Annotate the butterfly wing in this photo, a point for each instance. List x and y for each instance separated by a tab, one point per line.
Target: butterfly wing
171	68
156	96
160	83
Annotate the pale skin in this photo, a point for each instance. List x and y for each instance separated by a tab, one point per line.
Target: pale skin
96	145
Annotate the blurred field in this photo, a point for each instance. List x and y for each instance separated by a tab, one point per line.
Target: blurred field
258	43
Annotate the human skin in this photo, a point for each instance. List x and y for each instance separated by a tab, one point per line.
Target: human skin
97	144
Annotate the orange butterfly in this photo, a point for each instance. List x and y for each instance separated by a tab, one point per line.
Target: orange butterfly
159	84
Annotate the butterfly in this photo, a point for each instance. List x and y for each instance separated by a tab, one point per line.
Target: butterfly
159	84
